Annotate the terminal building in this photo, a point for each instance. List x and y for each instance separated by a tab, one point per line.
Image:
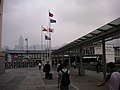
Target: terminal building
95	51
21	58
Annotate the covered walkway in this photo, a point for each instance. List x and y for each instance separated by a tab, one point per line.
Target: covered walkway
85	45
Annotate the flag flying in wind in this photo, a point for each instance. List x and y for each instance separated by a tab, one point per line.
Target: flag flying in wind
26	39
47	38
50	14
51	30
52	21
44	29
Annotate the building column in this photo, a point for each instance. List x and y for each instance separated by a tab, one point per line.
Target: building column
81	68
104	58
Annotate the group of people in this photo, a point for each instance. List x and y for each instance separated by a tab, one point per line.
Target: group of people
112	78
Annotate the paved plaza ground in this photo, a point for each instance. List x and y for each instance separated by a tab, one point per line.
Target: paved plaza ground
33	79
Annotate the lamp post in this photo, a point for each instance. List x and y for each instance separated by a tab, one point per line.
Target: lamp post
26	47
27	56
26	44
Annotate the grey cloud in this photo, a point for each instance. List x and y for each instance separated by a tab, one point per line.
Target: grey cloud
74	17
87	12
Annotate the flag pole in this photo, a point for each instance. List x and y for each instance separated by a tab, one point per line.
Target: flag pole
41	42
50	56
46	49
47	46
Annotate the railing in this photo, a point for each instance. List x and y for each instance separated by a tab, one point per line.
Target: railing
10	65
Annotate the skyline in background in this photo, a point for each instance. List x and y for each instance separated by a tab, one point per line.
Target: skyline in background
75	18
21	45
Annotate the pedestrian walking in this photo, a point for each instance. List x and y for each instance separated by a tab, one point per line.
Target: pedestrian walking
64	79
74	64
46	69
60	67
39	65
98	66
112	79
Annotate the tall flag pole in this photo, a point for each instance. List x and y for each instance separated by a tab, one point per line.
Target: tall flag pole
50	15
50	21
42	29
45	49
45	43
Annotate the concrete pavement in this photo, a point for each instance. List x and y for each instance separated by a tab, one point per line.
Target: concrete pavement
87	82
33	79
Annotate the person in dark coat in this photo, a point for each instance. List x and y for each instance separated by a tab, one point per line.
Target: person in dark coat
60	67
98	66
64	79
47	70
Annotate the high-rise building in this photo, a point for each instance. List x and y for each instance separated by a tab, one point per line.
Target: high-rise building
21	43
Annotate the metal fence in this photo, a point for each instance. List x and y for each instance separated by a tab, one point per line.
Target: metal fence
18	64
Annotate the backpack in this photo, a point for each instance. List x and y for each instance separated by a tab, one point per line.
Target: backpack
65	78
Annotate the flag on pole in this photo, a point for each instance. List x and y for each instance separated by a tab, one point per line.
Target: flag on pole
47	38
26	39
50	14
44	29
51	30
52	21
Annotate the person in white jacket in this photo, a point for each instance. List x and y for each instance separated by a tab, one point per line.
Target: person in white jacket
39	65
112	79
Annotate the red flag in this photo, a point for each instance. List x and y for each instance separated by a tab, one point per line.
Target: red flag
44	29
50	14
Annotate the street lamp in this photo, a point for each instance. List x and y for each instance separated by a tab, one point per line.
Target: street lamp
26	44
27	55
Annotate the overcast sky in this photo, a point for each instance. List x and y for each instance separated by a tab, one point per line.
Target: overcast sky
75	18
